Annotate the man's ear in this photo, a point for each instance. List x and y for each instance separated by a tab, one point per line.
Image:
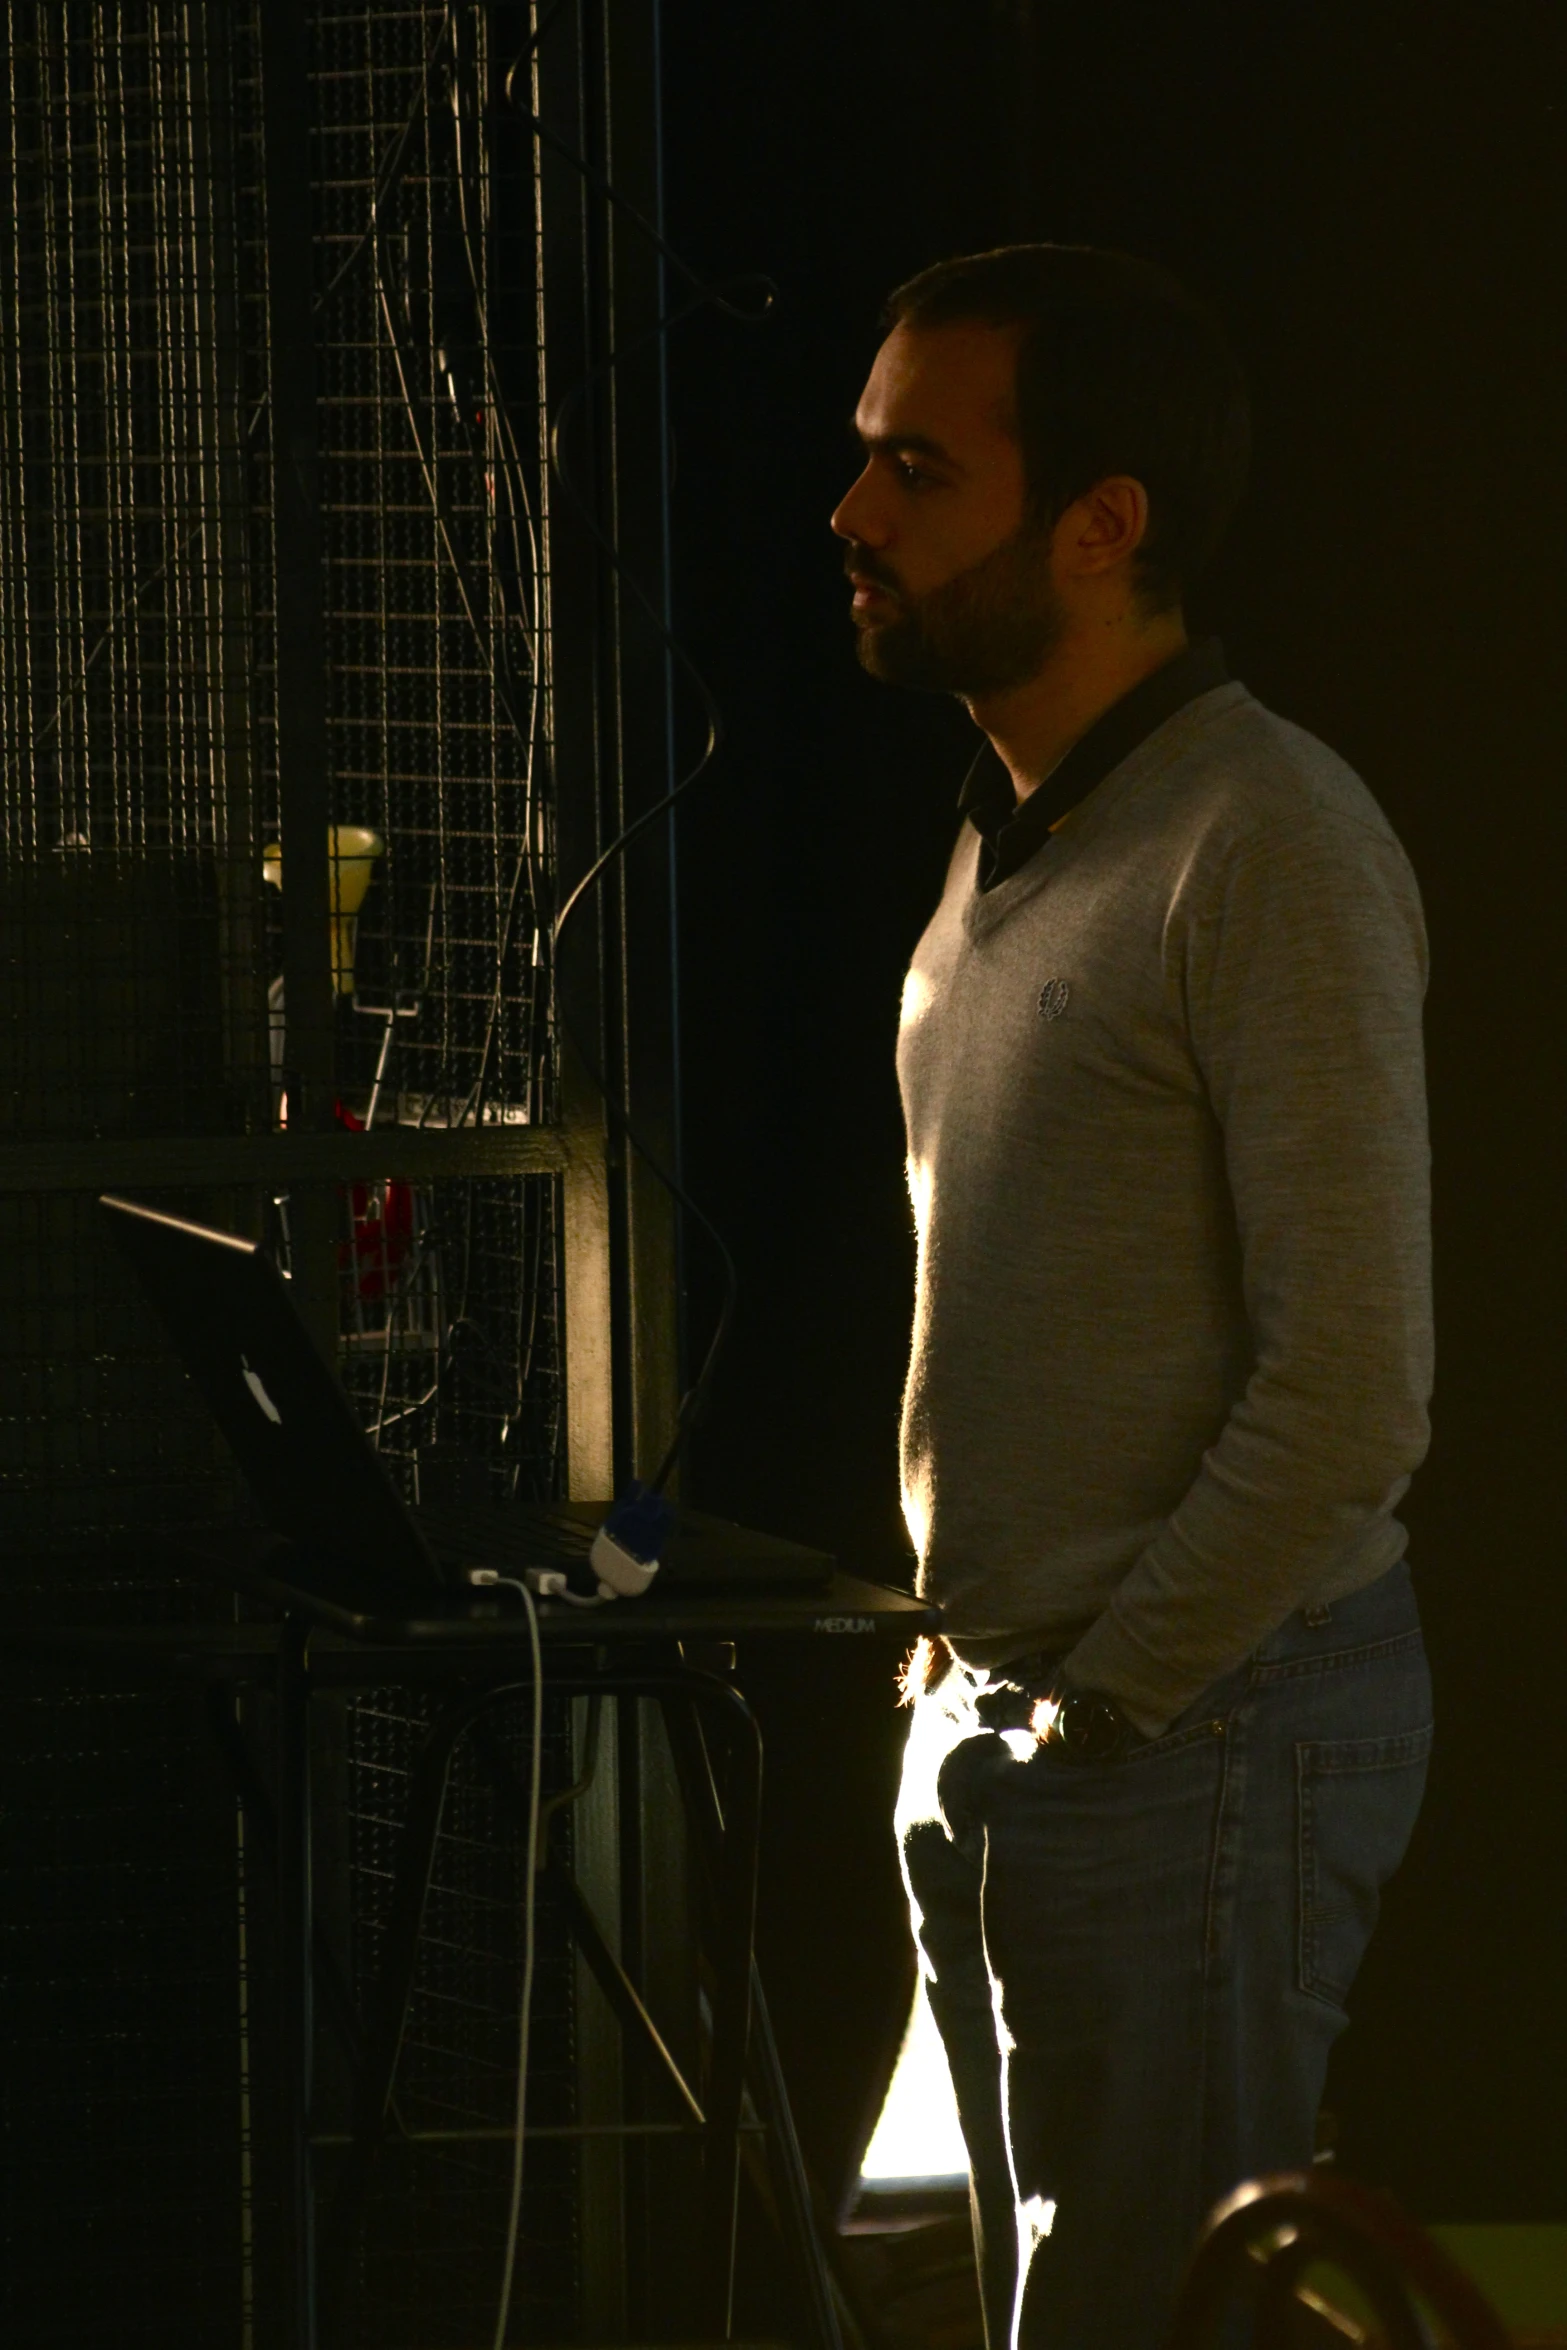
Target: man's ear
1103	528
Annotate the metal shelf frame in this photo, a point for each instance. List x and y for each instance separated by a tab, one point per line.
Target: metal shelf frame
580	116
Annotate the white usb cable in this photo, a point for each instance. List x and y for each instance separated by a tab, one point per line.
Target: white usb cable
485	1577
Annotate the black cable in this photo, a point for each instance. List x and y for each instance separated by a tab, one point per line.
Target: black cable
465	586
510	473
713	741
694	1403
499	669
709	291
705	294
389	175
526	52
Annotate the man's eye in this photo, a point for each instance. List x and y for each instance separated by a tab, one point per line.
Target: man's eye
914	477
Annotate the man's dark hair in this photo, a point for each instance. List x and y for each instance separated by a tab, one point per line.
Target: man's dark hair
1119	370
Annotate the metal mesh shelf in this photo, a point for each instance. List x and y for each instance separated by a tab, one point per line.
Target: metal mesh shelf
139	808
429	2272
432	504
451	1339
141	946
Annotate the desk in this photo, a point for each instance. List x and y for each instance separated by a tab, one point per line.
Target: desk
636	1649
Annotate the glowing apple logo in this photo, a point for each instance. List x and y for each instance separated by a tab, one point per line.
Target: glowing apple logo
253	1382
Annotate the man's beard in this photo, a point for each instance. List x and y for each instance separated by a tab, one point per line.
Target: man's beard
982	632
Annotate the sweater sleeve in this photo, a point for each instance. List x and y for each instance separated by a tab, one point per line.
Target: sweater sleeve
1303	986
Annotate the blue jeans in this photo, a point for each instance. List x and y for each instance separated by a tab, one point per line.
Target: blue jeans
1138	1968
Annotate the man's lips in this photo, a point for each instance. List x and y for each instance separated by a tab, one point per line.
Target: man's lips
868	593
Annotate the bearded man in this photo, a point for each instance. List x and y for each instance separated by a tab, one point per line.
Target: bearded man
1160	1057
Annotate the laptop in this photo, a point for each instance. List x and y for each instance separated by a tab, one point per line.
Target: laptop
319	1483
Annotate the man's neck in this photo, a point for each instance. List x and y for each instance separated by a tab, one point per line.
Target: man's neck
1034	725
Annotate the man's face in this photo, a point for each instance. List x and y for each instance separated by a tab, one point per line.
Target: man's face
953	591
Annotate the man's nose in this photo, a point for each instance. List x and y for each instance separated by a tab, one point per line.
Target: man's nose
855	516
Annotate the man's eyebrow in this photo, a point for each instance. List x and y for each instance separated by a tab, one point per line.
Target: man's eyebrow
919	444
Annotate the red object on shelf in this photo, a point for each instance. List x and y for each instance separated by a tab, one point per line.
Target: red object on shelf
382	1221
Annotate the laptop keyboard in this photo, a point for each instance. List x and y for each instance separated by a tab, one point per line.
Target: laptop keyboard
701	1552
474	1535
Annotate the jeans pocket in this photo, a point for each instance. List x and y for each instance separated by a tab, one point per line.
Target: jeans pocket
1358	1799
964	1779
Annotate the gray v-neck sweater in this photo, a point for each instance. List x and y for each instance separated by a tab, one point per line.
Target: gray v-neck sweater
1166	1124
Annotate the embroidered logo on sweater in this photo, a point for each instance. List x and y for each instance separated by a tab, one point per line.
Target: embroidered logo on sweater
1054	997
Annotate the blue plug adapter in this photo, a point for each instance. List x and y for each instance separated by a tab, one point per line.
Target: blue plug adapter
626	1547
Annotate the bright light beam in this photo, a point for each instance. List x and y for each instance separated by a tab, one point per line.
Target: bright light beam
917	2140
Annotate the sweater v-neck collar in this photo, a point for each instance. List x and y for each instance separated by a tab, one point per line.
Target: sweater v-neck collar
984	909
1015	832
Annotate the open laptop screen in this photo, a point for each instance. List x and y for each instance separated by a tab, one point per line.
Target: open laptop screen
293	1430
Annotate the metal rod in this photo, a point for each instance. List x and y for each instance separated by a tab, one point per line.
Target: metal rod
618	1987
622	1994
295	1967
727	1841
796	2219
300	602
376	2077
336	1999
411	1153
731	1841
503	2137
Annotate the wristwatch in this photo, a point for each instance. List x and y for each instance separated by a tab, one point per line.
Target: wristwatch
1083	1725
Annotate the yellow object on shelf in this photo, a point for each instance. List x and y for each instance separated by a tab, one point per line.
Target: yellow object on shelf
352	850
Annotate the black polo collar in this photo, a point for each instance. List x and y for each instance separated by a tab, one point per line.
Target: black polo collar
1011	834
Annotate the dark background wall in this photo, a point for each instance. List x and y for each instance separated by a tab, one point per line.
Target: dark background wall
1376	198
